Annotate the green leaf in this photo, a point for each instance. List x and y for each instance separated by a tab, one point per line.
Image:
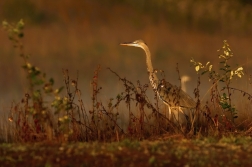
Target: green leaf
21	35
51	80
227	66
36	94
225	106
20	24
5	24
118	97
61	88
204	72
36	81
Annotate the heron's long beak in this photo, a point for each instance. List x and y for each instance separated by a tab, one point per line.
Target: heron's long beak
128	44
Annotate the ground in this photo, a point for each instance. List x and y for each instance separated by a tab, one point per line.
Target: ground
227	151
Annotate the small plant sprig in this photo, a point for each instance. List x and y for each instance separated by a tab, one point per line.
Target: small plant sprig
38	84
225	75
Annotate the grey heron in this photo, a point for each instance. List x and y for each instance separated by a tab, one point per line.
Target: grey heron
171	95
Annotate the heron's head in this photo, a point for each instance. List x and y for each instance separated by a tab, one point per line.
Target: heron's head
138	43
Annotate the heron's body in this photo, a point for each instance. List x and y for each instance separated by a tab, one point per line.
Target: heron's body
170	94
174	96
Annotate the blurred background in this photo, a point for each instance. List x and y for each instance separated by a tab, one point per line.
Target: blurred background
79	35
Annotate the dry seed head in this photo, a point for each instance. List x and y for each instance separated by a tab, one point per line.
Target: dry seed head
56	91
28	65
210	67
10	118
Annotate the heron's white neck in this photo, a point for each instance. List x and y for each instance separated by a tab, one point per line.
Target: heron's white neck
152	75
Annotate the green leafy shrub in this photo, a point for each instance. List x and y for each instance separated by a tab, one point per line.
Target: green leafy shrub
221	81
